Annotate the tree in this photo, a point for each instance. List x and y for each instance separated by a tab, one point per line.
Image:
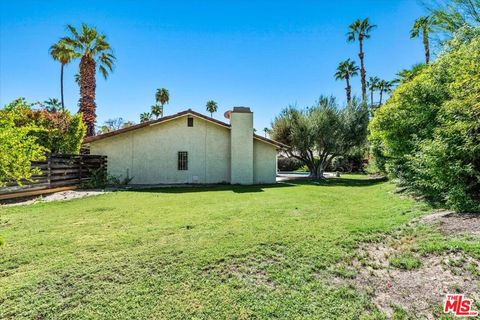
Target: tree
423	25
64	54
53	105
384	86
360	30
162	96
372	85
212	107
408	74
145	116
156	110
93	50
318	134
345	70
452	16
266	131
112	125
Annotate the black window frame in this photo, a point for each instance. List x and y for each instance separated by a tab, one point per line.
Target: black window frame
182	160
189	121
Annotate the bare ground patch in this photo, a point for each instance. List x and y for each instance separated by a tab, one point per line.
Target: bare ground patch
452	223
57	196
418	284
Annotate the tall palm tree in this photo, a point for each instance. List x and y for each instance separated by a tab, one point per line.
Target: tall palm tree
360	30
64	54
93	50
145	116
424	26
372	85
212	107
345	70
156	110
384	87
163	97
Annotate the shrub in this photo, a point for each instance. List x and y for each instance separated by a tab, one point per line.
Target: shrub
56	131
428	133
19	148
289	164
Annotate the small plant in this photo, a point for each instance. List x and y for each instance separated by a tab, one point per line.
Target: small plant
119	181
98	180
2	242
405	261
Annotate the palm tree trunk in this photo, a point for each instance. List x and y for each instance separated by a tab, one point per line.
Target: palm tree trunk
381	94
362	70
427	46
87	93
61	86
371	98
348	89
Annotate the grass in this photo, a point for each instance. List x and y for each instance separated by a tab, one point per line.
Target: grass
405	261
219	252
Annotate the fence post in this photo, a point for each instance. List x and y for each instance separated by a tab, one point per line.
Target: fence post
80	169
49	168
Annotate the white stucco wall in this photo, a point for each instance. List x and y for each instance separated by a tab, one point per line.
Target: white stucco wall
264	162
241	147
150	154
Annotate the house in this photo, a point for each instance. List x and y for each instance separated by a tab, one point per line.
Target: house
189	147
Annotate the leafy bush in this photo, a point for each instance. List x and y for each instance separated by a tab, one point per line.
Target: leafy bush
428	133
19	148
58	132
98	180
289	164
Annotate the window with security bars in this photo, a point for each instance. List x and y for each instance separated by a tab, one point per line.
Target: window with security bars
182	160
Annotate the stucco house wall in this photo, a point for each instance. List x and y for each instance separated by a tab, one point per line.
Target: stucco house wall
264	163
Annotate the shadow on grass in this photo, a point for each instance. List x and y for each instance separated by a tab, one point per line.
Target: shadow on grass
331	182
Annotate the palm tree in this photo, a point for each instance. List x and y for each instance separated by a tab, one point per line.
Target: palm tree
384	86
408	74
145	116
53	105
64	54
93	50
345	70
372	85
360	30
212	107
162	96
157	110
266	131
423	25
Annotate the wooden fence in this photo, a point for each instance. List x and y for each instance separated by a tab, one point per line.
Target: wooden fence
58	172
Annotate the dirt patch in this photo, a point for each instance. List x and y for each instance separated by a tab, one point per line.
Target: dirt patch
421	290
57	196
452	223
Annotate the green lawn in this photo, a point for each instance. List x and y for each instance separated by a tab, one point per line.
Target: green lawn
219	252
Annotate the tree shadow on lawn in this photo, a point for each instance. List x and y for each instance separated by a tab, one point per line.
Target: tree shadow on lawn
330	182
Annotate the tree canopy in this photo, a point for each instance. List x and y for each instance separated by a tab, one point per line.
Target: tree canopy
318	134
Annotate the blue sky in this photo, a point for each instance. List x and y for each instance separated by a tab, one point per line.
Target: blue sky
261	54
